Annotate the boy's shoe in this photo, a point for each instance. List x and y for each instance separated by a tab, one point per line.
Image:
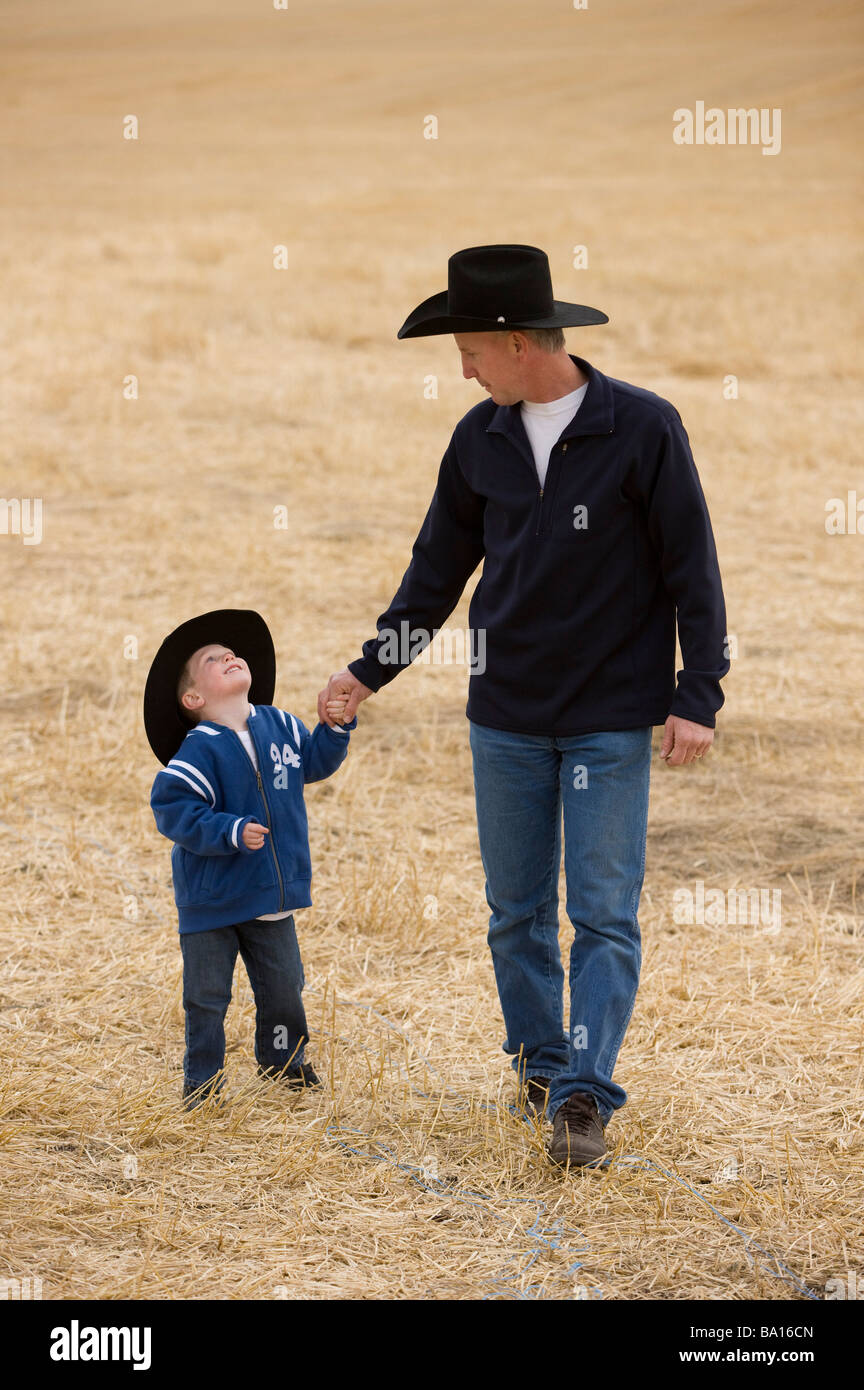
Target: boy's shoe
193	1096
577	1134
533	1095
302	1077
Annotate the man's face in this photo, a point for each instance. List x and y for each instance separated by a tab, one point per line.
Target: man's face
217	673
495	361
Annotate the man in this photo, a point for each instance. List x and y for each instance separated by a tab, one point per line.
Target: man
580	495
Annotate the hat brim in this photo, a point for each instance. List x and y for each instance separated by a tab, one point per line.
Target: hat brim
431	317
241	629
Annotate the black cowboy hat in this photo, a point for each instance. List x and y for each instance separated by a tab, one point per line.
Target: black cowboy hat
241	629
496	288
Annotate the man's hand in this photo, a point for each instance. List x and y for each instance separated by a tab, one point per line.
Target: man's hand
342	686
253	835
684	741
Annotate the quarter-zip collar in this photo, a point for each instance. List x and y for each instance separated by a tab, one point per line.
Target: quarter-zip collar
596	414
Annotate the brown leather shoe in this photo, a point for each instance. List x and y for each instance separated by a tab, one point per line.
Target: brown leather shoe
577	1132
533	1095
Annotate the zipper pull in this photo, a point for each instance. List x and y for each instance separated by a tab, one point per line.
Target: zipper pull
258	775
564	450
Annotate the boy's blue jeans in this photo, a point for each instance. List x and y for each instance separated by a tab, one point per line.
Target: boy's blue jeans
272	958
521	782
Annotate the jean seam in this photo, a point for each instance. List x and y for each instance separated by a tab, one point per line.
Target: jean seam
552	892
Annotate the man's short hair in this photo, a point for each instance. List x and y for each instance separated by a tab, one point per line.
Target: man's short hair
548	339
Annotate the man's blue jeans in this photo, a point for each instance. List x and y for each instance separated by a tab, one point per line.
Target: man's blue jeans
272	958
521	782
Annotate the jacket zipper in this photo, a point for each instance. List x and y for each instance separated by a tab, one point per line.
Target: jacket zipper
540	508
257	772
270	837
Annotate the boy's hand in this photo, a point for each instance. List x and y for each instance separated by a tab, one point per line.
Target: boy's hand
253	835
336	709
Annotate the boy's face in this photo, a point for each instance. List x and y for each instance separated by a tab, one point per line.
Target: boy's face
216	675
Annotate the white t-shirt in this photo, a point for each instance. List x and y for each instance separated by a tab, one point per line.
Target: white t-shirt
246	739
544	423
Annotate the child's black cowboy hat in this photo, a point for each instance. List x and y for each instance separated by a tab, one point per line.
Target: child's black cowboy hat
496	288
242	630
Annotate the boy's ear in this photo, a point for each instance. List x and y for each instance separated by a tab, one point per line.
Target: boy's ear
191	700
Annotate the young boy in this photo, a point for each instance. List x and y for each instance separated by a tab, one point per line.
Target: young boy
230	796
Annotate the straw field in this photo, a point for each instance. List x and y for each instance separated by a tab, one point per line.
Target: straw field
735	1167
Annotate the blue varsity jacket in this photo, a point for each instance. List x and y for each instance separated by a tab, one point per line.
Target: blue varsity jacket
210	790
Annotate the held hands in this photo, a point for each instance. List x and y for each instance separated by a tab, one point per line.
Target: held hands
344	691
684	741
253	835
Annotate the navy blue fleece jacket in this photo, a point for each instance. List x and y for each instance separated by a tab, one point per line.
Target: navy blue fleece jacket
582	579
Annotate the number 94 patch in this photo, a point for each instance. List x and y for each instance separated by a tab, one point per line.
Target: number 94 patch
282	759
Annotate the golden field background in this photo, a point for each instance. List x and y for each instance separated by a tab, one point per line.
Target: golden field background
736	1163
